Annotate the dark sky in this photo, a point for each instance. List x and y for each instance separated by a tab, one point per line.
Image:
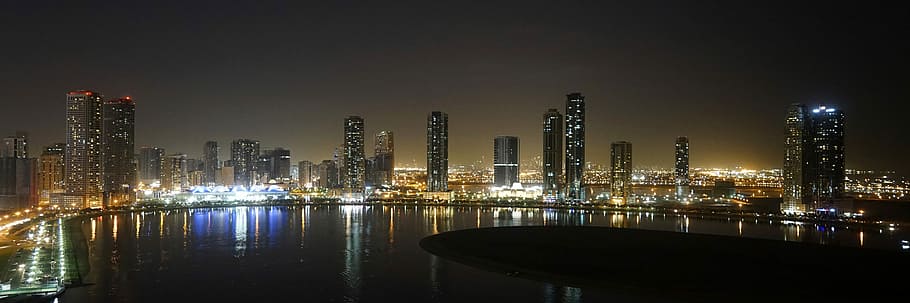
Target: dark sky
287	74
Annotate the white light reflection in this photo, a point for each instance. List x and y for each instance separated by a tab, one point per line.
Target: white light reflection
240	231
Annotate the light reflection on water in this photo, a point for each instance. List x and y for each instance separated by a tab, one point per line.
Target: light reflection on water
356	253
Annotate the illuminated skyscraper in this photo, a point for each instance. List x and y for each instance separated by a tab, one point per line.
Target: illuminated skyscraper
437	152
84	120
328	174
505	161
282	164
244	156
384	158
306	174
50	174
814	161
827	167
275	164
575	147
174	172
796	182
150	164
15	146
621	172
552	153
210	162
354	159
682	167
119	151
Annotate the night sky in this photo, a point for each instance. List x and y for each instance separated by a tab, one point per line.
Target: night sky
286	74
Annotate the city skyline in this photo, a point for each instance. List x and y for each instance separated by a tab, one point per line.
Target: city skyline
485	159
638	86
199	151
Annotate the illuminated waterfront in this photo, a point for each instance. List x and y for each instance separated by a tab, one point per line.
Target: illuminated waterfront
347	253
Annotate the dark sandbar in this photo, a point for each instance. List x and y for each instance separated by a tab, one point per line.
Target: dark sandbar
678	266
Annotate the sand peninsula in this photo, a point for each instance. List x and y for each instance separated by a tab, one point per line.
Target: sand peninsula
677	267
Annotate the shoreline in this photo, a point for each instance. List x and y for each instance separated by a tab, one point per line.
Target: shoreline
706	213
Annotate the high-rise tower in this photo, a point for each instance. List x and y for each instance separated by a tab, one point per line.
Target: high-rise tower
354	159
796	186
384	158
306	174
827	167
621	172
150	163
552	153
244	157
83	159
682	167
50	174
210	162
119	151
505	161
814	177
575	147
437	152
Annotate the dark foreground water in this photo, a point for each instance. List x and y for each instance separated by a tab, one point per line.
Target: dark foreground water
361	253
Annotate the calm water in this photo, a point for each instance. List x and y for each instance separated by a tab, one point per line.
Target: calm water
357	253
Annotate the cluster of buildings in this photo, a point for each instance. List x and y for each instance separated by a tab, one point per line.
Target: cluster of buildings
98	164
93	167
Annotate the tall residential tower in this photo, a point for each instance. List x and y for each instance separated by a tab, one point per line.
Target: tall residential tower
552	153
796	157
83	158
505	161
354	159
682	167
384	158
437	152
827	168
210	162
120	178
621	172
575	147
814	177
244	157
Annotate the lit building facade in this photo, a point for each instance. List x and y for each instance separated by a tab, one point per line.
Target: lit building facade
437	152
150	164
620	172
120	179
384	158
552	153
50	175
505	161
275	164
682	167
305	174
83	158
244	156
15	146
814	172
827	167
210	163
354	158
174	173
327	171
575	147
796	194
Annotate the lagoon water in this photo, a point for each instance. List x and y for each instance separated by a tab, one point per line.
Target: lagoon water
353	253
